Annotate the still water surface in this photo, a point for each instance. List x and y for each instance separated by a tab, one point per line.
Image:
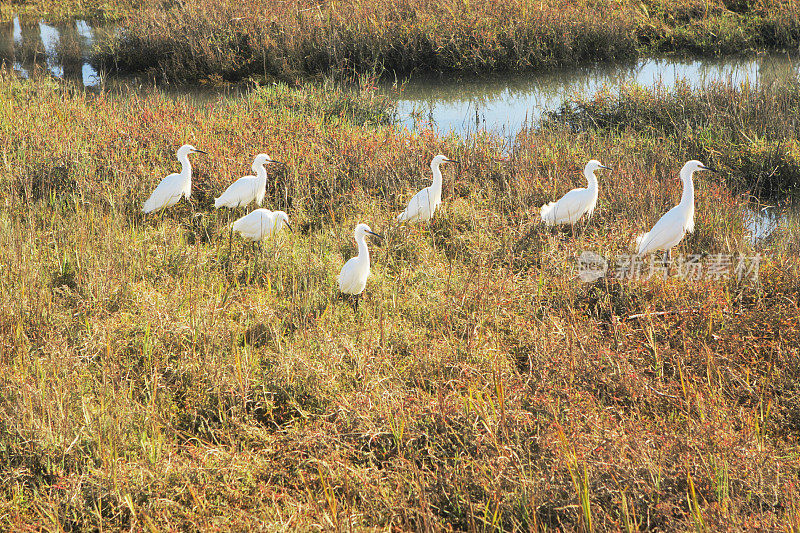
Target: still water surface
503	104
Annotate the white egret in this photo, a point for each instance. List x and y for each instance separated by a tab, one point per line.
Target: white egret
571	207
670	228
424	203
260	224
171	188
353	277
244	190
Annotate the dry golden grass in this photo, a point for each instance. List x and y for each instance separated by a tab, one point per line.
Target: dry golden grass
31	11
232	40
150	379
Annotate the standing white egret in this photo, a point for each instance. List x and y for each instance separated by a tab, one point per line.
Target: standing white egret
670	228
424	203
260	224
244	190
571	207
171	188
353	277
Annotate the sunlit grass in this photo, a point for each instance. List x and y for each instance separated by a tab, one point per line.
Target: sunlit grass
228	41
150	375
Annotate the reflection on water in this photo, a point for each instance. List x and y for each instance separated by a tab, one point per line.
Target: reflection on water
763	221
502	104
61	49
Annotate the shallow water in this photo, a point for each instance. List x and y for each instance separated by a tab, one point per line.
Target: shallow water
61	49
504	103
762	221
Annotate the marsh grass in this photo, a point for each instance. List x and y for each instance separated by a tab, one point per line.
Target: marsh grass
229	41
749	131
58	11
150	382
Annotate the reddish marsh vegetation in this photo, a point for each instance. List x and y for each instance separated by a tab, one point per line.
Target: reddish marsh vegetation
150	378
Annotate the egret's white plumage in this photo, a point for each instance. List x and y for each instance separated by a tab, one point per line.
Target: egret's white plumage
244	190
174	186
571	207
353	277
424	203
260	224
670	228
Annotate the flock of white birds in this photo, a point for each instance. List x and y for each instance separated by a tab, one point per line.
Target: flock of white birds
261	223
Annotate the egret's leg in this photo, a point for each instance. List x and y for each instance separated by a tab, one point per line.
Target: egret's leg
194	215
230	235
584	225
163	231
230	244
259	253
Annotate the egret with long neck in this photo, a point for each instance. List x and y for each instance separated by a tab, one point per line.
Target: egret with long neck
670	228
424	203
248	188
572	206
353	277
174	186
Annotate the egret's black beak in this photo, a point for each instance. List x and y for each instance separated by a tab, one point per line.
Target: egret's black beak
200	151
376	234
605	167
708	168
288	226
277	162
452	161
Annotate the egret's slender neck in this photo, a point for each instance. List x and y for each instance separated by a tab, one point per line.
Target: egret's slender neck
186	168
591	178
687	198
261	172
363	251
437	180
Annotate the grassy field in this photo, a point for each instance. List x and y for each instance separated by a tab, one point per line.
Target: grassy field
31	11
227	40
152	378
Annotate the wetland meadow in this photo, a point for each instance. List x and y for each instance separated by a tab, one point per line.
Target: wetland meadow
157	376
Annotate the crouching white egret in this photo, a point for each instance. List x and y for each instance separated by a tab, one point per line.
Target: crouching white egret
424	203
260	224
171	188
353	277
571	207
244	190
670	228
